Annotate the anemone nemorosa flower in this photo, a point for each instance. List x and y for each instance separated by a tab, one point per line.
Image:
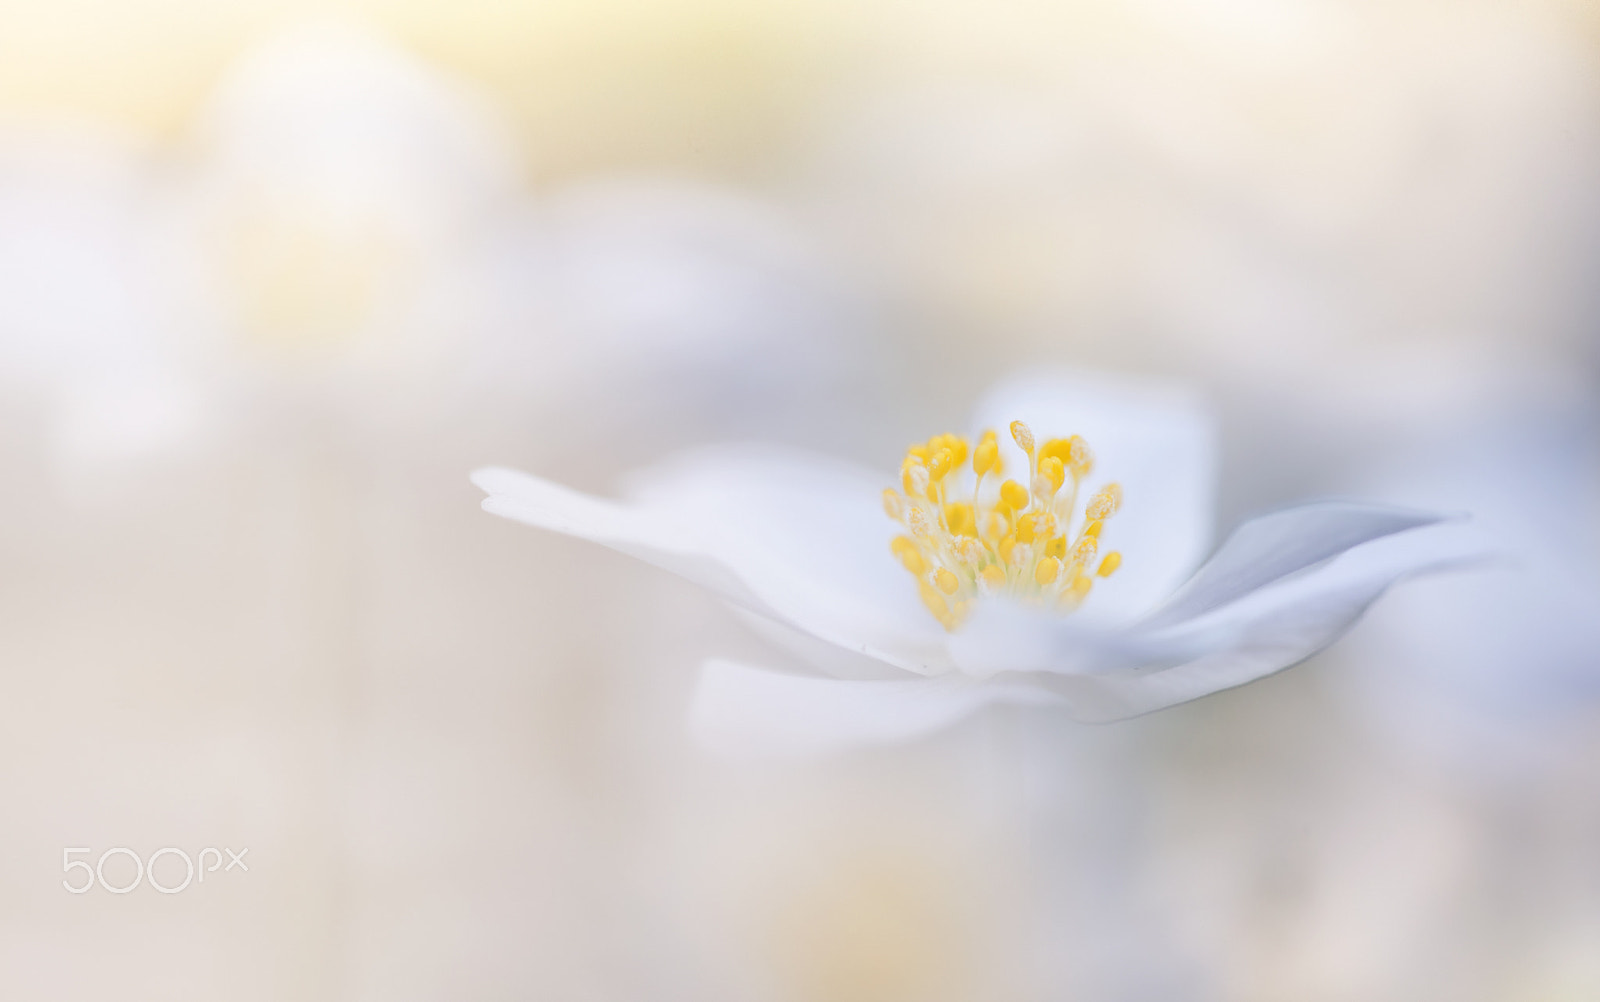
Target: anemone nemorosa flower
1051	559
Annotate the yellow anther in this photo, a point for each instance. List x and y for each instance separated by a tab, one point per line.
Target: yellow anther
1105	502
942	462
899	545
958	516
1025	527
970	551
1082	459
985	456
893	505
1014	494
1007	546
1057	547
1023	436
958	448
1109	565
1051	469
913	562
1047	570
1041	524
947	582
914	478
934	601
919	452
1084	550
1093	528
917	519
1081	583
1073	452
994	576
1056	448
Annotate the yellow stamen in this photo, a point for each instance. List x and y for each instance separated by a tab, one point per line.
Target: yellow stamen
958	516
984	458
1105	502
893	506
1082	460
1023	436
1007	545
917	519
1080	586
1047	570
958	448
1073	452
1053	475
914	478
1083	550
1056	448
960	550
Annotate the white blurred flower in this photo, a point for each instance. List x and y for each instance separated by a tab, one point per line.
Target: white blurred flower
341	206
690	296
798	545
80	334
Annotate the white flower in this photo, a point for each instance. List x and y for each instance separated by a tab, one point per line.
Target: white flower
801	547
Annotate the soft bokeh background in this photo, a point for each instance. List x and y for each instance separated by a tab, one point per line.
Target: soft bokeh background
275	276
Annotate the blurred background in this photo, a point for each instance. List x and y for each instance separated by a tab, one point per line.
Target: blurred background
275	276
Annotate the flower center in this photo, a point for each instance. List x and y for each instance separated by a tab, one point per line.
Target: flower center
979	535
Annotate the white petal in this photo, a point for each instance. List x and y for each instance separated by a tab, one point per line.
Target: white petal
1287	622
744	710
1154	439
797	540
1281	543
821	656
1005	637
645	535
1108	676
808	534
